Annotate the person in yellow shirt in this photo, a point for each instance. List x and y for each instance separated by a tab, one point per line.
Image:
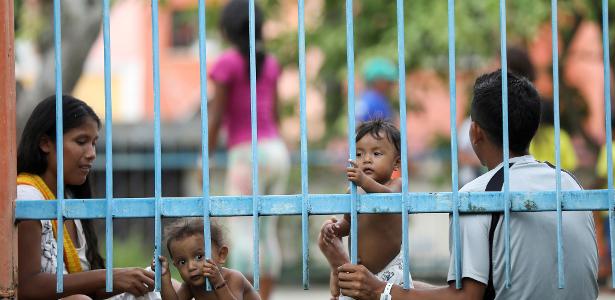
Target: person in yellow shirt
543	144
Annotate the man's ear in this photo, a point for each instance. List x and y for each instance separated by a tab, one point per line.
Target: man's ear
46	144
222	254
477	134
397	165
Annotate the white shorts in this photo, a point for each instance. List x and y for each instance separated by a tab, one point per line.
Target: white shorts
392	273
274	167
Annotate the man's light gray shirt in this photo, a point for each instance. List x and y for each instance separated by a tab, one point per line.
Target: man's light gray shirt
533	241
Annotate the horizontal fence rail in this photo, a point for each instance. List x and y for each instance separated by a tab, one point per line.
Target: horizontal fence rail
320	204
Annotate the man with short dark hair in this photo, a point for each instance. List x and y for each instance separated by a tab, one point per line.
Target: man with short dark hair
533	234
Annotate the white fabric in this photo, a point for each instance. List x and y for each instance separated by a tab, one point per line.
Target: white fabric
49	244
393	273
48	241
533	242
273	174
81	250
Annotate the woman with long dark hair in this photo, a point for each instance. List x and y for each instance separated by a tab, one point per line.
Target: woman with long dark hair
84	277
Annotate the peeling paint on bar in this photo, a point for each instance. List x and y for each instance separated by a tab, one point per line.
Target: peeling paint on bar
325	204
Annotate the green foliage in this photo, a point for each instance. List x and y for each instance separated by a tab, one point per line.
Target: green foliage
426	35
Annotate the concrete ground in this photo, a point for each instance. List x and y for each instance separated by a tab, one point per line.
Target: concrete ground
322	293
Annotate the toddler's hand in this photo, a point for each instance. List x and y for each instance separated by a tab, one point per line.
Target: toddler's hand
163	263
212	271
354	173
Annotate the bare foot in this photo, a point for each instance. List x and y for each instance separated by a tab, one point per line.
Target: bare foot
334	251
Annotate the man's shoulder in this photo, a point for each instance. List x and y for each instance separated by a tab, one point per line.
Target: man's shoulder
480	183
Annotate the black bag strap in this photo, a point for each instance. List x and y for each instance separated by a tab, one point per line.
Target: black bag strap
495	184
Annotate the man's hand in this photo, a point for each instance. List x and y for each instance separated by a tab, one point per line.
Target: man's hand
355	174
358	282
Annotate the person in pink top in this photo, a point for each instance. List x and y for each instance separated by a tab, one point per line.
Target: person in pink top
230	109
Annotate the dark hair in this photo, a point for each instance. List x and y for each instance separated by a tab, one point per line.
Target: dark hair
186	227
523	109
31	159
377	126
519	62
234	24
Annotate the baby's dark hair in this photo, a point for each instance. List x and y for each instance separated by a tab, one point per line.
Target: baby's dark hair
523	109
375	127
186	227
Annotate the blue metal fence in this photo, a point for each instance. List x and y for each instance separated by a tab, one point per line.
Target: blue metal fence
306	204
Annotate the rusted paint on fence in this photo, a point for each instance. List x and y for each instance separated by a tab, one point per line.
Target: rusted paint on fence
8	232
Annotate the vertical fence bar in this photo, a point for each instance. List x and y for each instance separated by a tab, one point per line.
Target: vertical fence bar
505	154
8	232
351	129
305	225
609	140
157	144
57	29
401	74
558	165
108	149
453	120
253	116
204	133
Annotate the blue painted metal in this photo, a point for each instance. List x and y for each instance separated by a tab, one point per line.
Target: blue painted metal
157	145
454	159
306	204
320	204
558	165
505	146
609	133
401	62
108	149
204	133
57	29
305	209
352	151
255	204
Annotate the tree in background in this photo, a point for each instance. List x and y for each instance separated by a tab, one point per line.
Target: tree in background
426	39
81	25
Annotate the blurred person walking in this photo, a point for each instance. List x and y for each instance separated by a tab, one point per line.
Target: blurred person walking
230	109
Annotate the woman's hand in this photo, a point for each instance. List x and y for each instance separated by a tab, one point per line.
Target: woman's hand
135	281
